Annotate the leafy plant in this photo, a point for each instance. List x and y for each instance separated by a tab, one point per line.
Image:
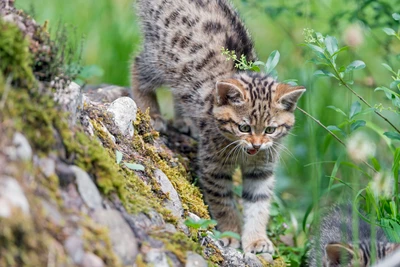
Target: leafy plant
217	235
380	208
204	224
201	224
133	166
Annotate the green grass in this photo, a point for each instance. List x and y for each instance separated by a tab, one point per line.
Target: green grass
111	35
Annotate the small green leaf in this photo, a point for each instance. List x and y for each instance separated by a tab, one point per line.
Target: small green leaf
118	156
387	67
272	61
344	48
355	109
395	84
255	68
355	65
324	73
134	166
331	44
392	135
387	91
229	234
337	110
200	224
334	128
396	16
389	31
376	164
319	52
292	82
357	124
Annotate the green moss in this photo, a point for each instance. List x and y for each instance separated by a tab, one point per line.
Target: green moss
21	241
178	243
96	240
15	59
190	195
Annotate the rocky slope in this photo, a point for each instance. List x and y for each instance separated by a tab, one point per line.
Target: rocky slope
84	179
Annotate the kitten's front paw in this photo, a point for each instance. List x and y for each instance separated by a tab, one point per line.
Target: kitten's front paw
260	245
230	242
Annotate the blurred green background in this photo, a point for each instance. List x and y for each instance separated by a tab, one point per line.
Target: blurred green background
111	36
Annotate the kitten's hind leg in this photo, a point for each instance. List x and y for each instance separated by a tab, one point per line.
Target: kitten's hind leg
216	184
183	123
144	81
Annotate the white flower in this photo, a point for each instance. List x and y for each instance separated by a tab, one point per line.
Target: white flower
382	184
360	147
353	36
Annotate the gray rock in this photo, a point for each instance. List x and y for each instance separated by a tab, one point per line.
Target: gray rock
124	110
74	247
195	260
252	260
20	149
65	174
105	93
70	99
170	228
148	221
11	196
155	257
231	256
87	189
92	260
123	241
47	166
174	203
52	212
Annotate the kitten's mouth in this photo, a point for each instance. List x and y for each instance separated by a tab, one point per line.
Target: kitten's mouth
252	152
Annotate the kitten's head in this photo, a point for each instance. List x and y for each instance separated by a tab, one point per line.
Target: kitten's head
340	254
255	110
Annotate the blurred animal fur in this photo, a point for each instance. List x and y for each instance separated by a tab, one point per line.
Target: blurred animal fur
332	245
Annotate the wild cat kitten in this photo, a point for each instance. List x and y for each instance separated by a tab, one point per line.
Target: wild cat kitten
241	117
336	247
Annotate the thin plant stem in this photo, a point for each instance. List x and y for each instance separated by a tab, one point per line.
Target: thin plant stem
362	99
333	134
323	126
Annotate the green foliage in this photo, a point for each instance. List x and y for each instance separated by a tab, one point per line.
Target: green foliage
15	59
381	206
202	224
217	235
132	166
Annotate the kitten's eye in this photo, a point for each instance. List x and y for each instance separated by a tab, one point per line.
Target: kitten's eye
245	128
270	130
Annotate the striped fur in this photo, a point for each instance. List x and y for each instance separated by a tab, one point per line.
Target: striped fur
182	50
333	246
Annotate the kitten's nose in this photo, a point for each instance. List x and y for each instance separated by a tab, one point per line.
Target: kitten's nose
257	147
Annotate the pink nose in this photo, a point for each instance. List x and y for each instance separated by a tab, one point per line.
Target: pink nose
257	147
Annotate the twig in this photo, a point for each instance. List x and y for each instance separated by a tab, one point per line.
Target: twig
323	126
334	135
365	101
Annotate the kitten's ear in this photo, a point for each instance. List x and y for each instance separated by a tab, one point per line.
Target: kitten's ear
338	254
230	92
287	96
